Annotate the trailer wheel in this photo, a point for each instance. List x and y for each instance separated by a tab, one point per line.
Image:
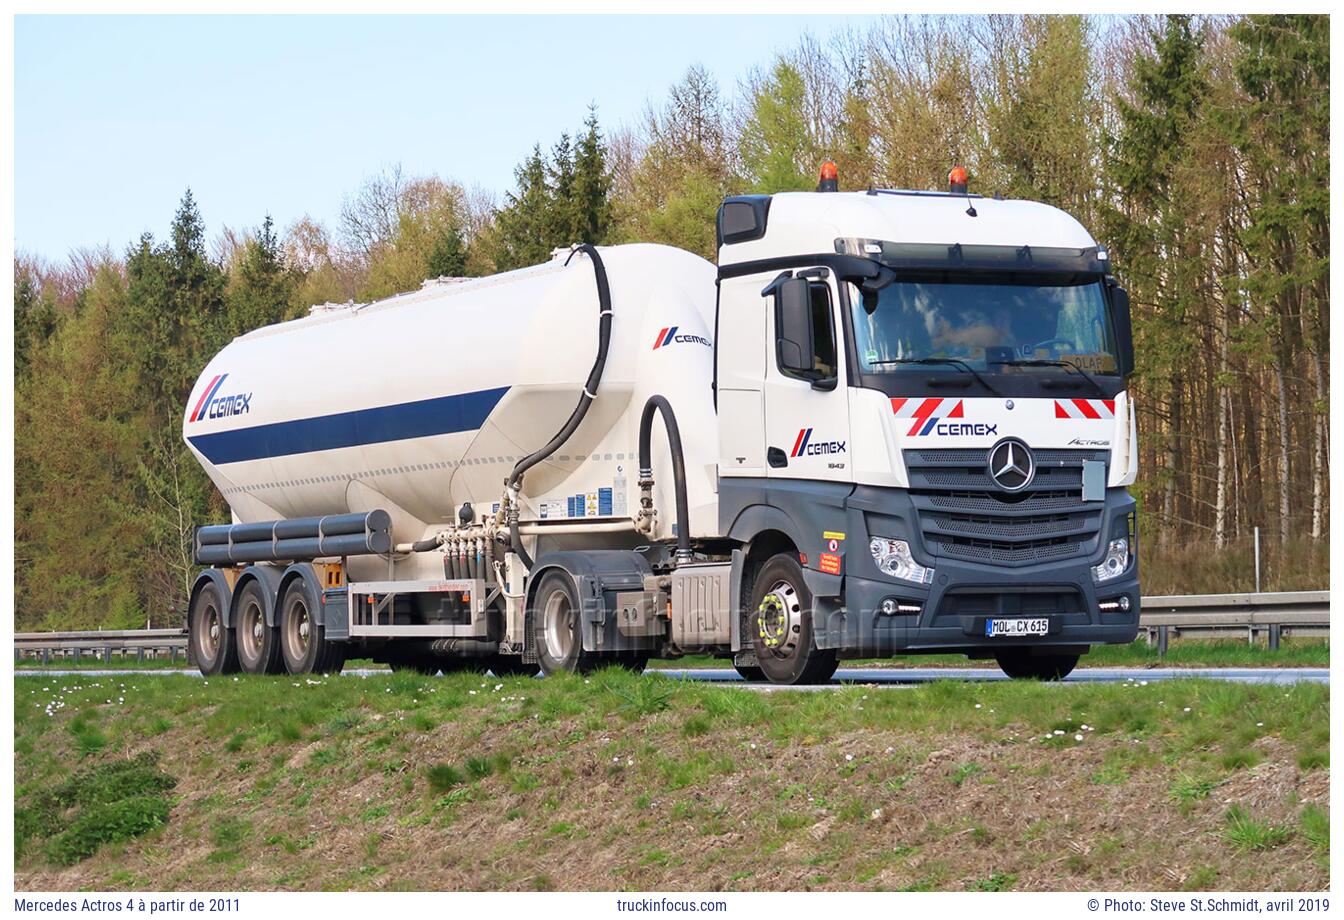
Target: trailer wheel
302	640
559	630
258	644
211	641
1020	664
780	617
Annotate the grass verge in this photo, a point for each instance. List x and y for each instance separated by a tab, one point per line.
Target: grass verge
619	781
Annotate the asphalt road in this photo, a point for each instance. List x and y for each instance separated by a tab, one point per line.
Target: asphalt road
894	677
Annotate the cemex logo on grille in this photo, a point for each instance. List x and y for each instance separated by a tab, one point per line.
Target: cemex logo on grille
669	335
929	415
804	446
212	405
1085	408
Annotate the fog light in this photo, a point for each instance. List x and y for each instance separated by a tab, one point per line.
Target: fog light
1120	603
891	606
1115	563
893	558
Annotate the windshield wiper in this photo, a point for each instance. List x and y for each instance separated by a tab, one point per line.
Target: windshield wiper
955	362
1042	362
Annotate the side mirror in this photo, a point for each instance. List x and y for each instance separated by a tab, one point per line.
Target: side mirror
793	326
1124	330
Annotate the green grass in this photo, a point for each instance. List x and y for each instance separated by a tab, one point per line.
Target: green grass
856	787
1183	653
107	803
1248	833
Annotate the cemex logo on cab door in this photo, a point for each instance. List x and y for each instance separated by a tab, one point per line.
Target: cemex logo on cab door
212	405
669	335
804	446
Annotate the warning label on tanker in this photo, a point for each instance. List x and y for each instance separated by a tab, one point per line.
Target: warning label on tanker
553	509
829	563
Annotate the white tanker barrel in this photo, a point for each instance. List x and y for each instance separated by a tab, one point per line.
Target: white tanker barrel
417	404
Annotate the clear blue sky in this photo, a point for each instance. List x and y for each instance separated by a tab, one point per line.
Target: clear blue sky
116	116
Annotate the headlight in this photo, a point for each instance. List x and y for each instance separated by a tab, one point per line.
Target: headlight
1115	563
893	558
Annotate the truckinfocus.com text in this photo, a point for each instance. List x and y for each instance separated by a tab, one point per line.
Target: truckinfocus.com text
658	905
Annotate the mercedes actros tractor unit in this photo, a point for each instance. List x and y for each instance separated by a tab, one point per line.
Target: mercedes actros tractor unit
886	423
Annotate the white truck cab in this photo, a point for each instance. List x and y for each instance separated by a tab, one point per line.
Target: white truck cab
923	394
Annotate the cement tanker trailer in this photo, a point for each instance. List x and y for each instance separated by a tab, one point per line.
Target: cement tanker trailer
885	423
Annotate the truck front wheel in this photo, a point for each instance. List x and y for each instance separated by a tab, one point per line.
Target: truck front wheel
1020	664
780	618
302	639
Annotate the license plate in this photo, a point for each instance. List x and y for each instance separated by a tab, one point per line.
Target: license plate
1038	627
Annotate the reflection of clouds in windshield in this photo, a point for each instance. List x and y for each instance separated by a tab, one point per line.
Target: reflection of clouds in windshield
918	320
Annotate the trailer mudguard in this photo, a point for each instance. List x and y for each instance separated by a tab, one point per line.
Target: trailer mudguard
216	577
305	571
268	576
598	576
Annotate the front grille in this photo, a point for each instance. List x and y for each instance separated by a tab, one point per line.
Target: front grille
963	514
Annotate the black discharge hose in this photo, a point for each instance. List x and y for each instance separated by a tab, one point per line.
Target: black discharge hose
660	403
515	480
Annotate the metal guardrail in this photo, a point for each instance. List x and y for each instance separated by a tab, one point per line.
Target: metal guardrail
153	643
1275	614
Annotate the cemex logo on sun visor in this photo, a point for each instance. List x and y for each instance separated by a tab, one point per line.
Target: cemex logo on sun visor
804	446
934	415
669	335
212	405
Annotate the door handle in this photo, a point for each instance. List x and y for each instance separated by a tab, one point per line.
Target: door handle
776	457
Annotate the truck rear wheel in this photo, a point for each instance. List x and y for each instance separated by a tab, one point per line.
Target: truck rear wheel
302	639
212	643
557	626
258	644
780	617
1020	664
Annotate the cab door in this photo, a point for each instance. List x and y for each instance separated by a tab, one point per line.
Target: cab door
806	406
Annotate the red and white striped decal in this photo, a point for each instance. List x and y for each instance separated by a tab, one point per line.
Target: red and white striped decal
1085	408
921	410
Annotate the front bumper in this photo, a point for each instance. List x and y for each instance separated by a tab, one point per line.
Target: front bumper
952	610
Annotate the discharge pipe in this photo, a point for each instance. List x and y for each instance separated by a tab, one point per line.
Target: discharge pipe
515	480
660	404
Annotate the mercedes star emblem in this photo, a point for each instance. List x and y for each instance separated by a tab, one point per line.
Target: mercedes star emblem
1011	465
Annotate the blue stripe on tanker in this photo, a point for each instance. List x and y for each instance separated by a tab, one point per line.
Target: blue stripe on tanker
421	419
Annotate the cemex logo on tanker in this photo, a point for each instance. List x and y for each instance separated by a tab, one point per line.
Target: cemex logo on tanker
212	405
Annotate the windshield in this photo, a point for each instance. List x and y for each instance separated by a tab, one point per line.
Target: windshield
995	326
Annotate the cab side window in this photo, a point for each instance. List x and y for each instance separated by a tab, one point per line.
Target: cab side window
824	364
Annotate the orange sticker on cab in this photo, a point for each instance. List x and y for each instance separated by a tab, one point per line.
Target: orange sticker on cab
829	563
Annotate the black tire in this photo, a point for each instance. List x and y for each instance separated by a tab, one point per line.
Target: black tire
780	618
212	642
557	627
258	644
302	641
749	672
1020	664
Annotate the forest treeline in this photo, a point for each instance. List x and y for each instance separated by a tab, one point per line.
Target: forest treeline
1197	149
